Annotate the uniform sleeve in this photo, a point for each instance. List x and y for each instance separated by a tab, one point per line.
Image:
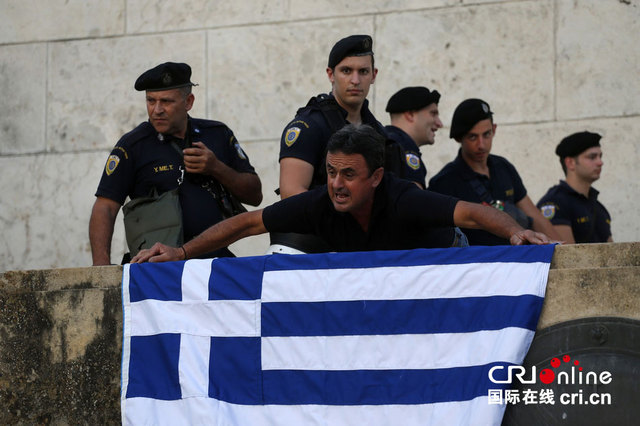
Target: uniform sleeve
555	210
519	191
303	139
117	175
238	158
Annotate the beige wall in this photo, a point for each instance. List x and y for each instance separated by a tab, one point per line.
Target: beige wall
548	68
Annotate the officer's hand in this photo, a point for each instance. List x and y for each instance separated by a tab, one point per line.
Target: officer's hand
158	253
199	159
528	236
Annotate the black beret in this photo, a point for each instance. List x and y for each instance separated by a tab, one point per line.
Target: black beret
412	99
169	75
467	115
577	143
355	45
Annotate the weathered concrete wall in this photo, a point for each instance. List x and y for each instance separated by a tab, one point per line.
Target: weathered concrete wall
548	68
60	330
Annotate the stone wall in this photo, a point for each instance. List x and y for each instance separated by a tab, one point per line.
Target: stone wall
61	334
548	68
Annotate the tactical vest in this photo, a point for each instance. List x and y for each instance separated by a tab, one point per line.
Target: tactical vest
331	111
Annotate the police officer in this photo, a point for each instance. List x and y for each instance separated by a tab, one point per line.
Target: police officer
572	206
303	144
414	122
156	154
480	177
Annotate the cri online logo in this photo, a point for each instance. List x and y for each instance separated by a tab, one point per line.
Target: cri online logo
574	377
547	375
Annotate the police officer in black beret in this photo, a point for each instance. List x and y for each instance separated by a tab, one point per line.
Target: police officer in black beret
415	120
572	206
172	149
351	71
478	176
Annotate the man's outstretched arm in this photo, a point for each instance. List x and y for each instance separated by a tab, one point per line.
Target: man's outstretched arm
477	216
215	237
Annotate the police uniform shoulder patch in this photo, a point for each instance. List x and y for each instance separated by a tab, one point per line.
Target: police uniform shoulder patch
413	160
548	210
292	135
112	163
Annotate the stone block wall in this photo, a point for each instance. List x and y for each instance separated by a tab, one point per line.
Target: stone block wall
547	67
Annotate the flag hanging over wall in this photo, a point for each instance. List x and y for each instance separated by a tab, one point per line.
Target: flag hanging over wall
376	338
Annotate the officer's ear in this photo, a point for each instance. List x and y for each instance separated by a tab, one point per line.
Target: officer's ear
330	74
570	163
189	101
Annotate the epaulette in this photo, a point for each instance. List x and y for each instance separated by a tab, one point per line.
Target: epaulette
143	130
203	123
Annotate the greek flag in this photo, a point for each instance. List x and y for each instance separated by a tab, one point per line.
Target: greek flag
375	338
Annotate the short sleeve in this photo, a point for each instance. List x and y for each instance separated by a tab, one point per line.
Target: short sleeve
304	139
117	175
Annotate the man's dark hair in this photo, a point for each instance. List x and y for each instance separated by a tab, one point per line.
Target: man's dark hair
363	140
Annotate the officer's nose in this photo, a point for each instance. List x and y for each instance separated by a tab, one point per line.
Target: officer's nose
355	78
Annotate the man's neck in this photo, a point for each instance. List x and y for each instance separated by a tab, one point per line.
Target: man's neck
579	185
363	215
181	134
354	113
408	129
478	167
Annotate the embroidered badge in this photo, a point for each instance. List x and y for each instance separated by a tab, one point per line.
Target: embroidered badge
413	161
291	136
112	163
548	211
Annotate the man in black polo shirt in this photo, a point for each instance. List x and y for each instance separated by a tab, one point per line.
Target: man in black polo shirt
415	119
480	177
359	209
572	206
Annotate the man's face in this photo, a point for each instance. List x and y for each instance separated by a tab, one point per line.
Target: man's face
350	186
351	79
588	165
168	109
427	122
476	144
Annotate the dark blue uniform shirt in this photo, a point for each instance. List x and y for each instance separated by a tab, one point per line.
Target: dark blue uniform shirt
403	217
455	179
415	169
588	218
143	159
306	137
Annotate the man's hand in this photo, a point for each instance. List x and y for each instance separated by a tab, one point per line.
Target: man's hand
528	236
200	159
158	253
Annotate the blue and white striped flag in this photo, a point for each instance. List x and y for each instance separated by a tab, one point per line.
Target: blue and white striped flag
376	338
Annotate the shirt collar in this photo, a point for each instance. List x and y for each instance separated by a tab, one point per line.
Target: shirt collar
466	171
593	193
